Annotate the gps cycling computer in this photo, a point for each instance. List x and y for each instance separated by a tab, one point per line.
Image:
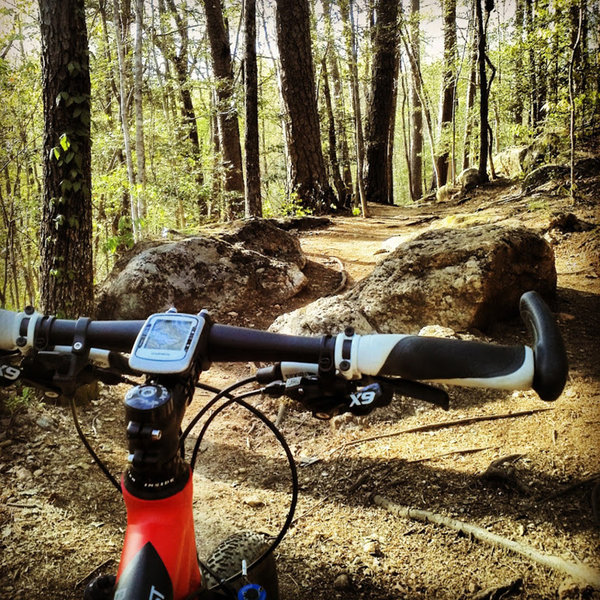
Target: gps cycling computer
167	343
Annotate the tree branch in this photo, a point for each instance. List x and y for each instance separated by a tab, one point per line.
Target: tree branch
577	571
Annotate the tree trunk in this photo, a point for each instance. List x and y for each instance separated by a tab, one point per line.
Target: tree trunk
517	102
332	138
253	206
124	114
573	58
470	100
483	95
307	165
416	149
533	69
391	138
66	230
350	41
381	100
339	112
447	104
140	150
122	226
179	59
229	131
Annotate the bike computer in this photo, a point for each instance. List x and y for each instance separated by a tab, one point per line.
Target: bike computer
167	343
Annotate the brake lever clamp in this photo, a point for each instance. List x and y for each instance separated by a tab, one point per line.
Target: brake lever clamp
330	397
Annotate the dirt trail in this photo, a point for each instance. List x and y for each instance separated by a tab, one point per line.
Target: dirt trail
60	522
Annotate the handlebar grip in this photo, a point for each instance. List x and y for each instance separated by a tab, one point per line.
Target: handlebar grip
551	366
459	362
9	329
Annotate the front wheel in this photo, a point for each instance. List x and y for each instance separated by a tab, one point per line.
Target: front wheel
226	561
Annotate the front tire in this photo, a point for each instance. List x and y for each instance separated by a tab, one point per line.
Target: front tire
226	561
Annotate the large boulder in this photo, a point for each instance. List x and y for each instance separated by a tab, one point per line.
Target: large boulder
511	161
543	175
266	237
469	179
457	278
219	274
544	149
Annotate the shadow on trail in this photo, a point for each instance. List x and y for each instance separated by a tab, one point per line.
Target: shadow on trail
418	485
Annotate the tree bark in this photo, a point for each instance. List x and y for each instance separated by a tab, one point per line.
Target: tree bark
124	114
470	100
229	131
483	95
307	165
140	150
332	137
416	149
447	104
253	207
574	51
350	41
66	230
381	100
517	103
339	111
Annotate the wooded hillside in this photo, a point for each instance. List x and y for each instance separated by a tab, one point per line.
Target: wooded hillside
210	110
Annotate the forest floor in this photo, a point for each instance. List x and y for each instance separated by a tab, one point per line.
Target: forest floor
61	522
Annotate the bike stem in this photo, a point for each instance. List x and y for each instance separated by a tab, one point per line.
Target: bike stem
159	558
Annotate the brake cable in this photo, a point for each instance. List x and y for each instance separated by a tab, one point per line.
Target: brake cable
89	448
278	435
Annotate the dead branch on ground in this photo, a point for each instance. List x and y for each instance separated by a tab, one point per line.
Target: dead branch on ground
577	571
441	425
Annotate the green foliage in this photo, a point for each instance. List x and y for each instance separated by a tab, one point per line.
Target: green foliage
183	189
538	205
17	399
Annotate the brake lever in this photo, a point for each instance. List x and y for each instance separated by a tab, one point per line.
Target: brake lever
418	390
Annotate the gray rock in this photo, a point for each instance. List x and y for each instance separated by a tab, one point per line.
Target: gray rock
222	275
446	192
457	278
544	174
265	237
511	161
469	178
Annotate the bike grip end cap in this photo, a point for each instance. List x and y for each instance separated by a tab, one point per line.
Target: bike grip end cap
550	357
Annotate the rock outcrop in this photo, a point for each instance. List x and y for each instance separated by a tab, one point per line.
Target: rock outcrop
457	278
255	264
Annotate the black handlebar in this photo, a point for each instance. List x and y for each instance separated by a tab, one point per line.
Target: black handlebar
412	357
551	366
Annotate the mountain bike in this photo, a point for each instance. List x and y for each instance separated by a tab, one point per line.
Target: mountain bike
327	374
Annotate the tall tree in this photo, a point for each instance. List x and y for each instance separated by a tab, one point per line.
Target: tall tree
471	92
121	28
334	163
339	111
253	206
381	100
66	230
449	86
517	98
307	165
352	56
140	150
177	52
229	131
483	92
416	149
